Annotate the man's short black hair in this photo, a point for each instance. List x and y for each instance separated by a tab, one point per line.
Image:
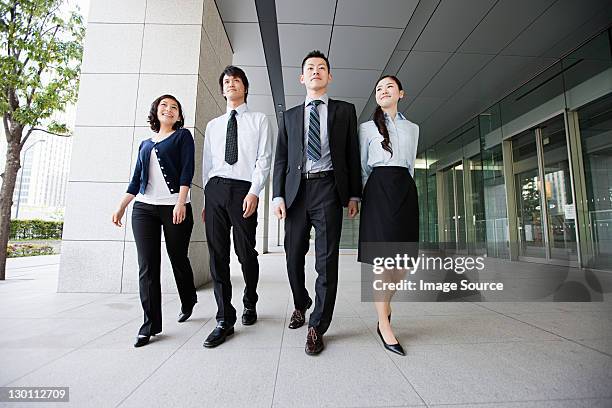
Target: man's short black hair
316	54
232	70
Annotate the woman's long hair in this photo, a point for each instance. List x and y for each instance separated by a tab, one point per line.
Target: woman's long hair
379	117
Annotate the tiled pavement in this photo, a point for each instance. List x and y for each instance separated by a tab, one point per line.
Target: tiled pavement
459	354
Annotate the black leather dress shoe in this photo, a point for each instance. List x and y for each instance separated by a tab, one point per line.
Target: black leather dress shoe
298	317
218	335
394	348
249	316
185	314
142	341
314	342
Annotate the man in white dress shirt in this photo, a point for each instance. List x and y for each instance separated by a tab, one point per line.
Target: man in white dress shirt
236	165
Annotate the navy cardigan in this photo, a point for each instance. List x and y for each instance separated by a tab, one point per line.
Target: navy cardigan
176	160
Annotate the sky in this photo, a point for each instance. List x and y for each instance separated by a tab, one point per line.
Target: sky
83	5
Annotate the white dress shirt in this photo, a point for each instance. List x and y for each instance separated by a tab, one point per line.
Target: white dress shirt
156	192
325	162
254	149
404	138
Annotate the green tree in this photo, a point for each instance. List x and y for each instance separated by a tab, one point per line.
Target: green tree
40	59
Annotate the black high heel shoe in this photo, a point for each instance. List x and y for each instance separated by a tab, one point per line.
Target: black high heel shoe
142	341
394	348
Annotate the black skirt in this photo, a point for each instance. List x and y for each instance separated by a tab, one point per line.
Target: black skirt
389	214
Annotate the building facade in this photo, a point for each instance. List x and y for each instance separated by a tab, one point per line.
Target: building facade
530	177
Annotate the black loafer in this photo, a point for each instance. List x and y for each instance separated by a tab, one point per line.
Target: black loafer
218	335
185	314
142	341
249	316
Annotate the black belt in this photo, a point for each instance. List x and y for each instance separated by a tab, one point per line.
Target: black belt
224	180
318	175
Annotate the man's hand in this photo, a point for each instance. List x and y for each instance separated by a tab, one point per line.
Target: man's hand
203	215
353	208
280	211
249	205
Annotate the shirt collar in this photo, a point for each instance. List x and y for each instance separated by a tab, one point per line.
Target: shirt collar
324	98
240	109
399	116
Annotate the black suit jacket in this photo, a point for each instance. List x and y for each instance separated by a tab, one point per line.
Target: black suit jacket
343	145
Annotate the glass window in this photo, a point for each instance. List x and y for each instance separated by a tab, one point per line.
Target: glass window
595	121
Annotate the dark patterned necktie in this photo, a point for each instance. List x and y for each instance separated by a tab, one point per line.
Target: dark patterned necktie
313	150
231	139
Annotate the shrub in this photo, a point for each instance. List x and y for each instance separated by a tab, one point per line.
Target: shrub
36	229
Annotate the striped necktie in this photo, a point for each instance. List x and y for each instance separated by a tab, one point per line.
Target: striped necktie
313	151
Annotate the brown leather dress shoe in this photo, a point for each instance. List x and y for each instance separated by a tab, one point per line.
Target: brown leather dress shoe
314	342
298	317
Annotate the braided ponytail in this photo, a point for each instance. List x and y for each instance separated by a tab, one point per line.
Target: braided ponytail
380	122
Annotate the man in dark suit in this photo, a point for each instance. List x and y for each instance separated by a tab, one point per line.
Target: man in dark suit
316	173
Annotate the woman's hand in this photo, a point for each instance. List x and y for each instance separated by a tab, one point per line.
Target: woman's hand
178	214
117	216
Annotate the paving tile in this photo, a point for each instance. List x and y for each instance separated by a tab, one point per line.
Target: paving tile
343	332
478	328
446	374
265	333
573	403
55	333
345	376
96	378
17	304
19	362
604	345
572	325
210	378
366	309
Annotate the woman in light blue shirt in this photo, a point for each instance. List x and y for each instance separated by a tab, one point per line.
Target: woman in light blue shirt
390	211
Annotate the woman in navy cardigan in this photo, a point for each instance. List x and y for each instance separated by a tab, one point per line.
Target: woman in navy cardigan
160	184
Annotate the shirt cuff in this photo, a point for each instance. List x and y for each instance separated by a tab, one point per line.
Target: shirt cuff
276	201
254	191
355	199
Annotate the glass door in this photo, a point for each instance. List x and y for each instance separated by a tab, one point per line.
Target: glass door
543	191
561	213
528	186
454	208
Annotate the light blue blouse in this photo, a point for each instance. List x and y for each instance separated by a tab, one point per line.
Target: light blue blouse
404	138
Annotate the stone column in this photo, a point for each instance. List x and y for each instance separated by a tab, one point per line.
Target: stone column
135	51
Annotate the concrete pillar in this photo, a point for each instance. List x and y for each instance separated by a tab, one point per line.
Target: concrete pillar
134	52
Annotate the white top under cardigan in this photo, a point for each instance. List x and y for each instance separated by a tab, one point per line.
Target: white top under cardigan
156	192
404	138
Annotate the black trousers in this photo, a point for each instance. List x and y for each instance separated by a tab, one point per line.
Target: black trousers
223	208
147	223
316	204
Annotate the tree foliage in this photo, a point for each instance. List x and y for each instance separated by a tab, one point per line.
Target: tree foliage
40	61
40	58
